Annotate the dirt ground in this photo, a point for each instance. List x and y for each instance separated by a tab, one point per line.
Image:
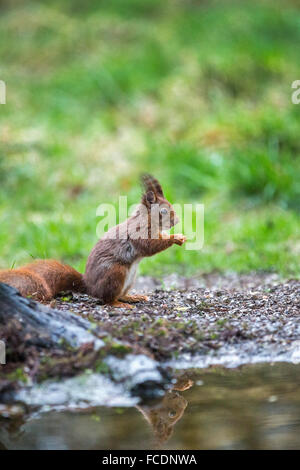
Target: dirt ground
198	315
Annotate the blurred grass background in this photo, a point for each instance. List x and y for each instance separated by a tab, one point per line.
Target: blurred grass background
196	92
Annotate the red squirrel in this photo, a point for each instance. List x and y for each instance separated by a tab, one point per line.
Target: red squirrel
112	264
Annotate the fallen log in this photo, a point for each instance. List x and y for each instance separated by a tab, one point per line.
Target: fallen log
43	343
43	326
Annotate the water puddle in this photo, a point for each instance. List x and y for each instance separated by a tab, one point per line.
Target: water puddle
253	406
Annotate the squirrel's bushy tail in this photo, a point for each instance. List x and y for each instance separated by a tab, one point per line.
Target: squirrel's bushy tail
43	279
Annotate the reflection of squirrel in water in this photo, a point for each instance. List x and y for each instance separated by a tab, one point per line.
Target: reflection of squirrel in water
163	417
112	264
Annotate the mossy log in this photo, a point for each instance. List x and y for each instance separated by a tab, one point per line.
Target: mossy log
42	326
46	343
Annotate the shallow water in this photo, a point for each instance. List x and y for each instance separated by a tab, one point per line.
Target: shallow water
250	407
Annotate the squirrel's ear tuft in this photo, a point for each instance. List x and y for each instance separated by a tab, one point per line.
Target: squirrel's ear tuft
151	184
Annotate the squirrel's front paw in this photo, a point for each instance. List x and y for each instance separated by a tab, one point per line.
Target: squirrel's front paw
179	239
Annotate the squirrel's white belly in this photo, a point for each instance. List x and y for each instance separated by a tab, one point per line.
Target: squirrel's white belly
130	277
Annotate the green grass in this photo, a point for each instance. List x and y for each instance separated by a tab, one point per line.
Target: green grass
195	92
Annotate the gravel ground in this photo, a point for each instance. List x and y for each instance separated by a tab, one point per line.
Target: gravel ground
246	314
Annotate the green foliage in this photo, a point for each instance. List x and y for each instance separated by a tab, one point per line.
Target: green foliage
266	176
198	93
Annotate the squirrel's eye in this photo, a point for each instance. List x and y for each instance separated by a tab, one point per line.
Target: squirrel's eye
163	211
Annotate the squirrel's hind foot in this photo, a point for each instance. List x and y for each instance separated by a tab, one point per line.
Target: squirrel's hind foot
118	304
134	298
